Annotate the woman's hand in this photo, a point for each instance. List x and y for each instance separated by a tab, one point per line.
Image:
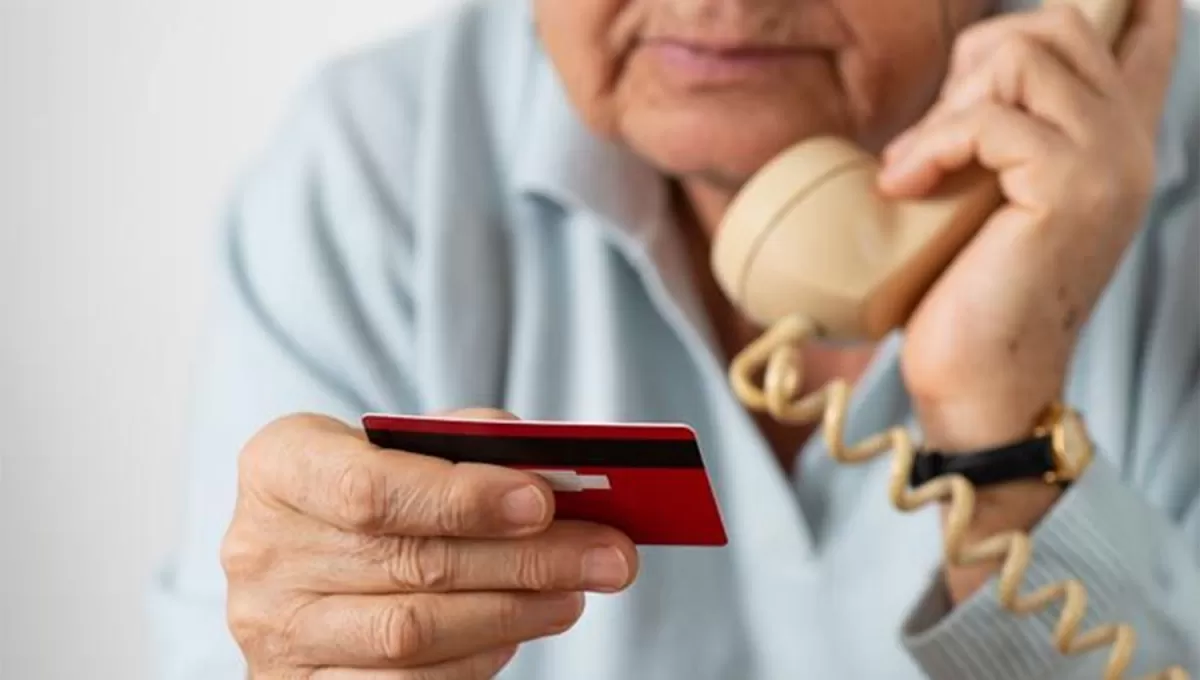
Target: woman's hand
1069	126
346	561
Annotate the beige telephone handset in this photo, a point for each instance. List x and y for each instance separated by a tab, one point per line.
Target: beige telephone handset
810	249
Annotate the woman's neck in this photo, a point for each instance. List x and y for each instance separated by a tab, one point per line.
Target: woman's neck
698	212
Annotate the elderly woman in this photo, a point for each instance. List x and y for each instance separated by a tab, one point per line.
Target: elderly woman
512	210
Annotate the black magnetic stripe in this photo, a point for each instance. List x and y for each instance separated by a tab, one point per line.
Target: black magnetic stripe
554	451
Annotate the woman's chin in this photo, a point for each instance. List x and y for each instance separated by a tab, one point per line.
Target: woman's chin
725	147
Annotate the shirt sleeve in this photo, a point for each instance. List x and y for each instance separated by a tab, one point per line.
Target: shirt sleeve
1129	528
310	237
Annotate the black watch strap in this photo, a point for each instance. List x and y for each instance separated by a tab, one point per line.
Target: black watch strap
1029	459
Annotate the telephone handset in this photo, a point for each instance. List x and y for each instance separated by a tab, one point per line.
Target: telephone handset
811	250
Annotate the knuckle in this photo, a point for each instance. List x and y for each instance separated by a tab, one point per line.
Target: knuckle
402	631
458	507
249	622
510	613
282	431
267	450
244	556
534	570
962	50
290	641
966	47
359	500
968	38
268	626
421	564
240	616
254	458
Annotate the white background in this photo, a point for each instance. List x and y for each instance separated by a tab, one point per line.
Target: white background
122	126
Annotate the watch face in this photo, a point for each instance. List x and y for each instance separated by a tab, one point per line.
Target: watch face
1072	446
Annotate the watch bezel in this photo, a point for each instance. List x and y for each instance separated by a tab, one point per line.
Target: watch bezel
1069	463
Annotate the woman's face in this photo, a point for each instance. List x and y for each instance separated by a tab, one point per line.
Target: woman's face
714	88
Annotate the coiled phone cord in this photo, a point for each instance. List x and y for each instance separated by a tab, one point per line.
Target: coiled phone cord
777	355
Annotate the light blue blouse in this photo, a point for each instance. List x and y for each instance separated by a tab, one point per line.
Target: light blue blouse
433	228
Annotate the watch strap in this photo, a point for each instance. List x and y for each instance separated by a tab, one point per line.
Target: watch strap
1029	459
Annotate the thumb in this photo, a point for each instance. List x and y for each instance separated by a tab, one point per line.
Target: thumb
1146	54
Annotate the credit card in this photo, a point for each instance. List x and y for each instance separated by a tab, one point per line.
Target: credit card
647	480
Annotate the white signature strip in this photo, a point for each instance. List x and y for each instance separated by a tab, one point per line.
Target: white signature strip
569	480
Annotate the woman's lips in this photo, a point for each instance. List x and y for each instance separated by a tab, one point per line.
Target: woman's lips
696	64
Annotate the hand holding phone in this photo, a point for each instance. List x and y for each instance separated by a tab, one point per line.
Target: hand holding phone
349	558
1067	121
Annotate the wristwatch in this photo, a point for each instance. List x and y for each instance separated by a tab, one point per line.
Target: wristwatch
1057	452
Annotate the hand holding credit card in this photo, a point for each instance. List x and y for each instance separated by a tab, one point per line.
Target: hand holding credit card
351	558
647	480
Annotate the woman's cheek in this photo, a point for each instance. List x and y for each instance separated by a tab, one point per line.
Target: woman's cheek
577	36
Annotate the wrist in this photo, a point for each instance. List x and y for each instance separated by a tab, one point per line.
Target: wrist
1018	506
967	427
984	419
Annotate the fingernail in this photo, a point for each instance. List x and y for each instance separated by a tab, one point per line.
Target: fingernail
605	568
524	507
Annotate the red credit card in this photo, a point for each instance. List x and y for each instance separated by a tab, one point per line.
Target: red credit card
647	480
